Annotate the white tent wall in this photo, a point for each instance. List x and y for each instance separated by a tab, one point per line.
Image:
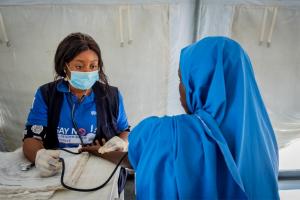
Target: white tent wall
274	51
140	43
276	63
182	33
145	69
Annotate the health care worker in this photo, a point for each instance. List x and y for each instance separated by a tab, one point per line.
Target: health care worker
79	107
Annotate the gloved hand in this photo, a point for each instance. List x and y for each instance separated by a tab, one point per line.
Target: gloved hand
47	162
114	144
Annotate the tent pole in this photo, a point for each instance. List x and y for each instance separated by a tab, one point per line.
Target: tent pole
196	20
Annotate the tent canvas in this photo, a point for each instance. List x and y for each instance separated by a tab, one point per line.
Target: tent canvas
141	42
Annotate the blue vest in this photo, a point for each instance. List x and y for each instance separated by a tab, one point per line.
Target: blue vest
107	106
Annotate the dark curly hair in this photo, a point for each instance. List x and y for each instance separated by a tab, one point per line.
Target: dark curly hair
70	47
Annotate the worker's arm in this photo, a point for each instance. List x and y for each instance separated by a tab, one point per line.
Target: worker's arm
31	147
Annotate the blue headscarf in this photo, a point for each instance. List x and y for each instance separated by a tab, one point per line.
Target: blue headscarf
225	148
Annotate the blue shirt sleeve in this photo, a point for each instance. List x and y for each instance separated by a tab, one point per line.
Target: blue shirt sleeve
122	122
38	114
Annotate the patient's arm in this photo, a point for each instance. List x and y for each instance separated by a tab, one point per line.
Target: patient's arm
124	135
113	156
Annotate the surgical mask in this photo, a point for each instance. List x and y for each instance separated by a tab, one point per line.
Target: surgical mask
83	80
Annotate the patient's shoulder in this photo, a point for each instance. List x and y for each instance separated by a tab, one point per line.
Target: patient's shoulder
150	123
166	118
155	120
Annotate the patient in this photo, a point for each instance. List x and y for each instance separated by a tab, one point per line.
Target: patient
224	147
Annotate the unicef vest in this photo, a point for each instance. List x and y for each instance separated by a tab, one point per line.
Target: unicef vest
107	107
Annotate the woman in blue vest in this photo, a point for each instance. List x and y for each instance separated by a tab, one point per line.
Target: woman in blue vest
78	108
224	147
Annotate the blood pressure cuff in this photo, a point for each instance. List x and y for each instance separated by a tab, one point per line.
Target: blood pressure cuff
35	131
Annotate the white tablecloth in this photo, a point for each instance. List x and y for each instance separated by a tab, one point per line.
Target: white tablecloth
82	171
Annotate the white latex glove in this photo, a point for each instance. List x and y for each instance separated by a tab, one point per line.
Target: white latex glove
47	162
114	144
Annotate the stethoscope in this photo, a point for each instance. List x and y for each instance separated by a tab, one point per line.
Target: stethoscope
73	105
83	189
26	167
76	153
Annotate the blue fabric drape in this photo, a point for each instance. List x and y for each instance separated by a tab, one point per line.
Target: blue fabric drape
225	148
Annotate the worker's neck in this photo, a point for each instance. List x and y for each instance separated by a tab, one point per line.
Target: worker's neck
79	93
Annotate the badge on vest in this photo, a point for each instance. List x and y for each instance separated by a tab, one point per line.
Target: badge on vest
37	129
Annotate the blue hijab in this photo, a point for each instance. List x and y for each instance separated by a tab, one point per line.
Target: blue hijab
225	148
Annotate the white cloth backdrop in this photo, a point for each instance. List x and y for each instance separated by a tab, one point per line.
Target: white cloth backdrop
140	43
274	51
145	67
